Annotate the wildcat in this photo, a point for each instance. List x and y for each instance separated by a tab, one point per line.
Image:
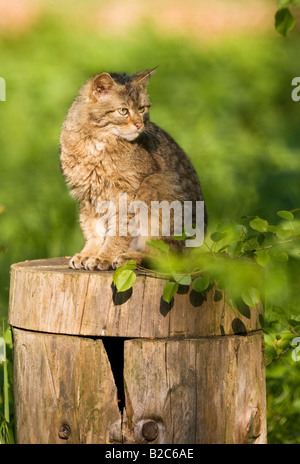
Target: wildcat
109	146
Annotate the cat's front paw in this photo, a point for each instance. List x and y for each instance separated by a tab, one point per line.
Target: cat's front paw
97	263
77	261
89	263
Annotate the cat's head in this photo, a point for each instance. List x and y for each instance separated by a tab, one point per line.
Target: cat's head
119	104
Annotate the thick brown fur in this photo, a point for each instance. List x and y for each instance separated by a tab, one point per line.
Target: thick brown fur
105	153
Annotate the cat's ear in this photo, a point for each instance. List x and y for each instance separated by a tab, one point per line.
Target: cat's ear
143	77
102	84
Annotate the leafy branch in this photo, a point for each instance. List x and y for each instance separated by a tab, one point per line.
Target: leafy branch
248	260
284	19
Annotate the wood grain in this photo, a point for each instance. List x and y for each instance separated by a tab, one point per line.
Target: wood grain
191	372
61	383
207	391
47	296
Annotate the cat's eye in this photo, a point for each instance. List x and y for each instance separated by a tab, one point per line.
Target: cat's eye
123	111
142	109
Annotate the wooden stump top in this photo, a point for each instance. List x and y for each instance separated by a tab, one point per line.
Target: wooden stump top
47	296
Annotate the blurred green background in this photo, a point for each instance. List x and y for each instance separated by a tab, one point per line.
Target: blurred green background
222	90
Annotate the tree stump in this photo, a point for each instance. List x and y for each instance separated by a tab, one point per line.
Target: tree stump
95	366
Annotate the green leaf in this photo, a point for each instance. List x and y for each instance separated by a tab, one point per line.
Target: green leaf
117	272
130	265
217	236
261	225
287	215
251	296
182	279
124	279
272	228
284	21
235	248
201	283
169	291
262	257
282	256
159	244
282	234
8	338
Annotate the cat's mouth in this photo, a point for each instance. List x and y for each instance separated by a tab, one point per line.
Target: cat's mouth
130	135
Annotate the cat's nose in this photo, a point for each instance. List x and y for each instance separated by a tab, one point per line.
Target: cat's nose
138	124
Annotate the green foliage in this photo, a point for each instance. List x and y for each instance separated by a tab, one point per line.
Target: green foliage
287	215
251	296
200	284
124	276
181	278
244	259
284	21
6	398
259	224
169	291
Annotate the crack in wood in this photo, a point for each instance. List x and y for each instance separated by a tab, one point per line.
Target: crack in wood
114	347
